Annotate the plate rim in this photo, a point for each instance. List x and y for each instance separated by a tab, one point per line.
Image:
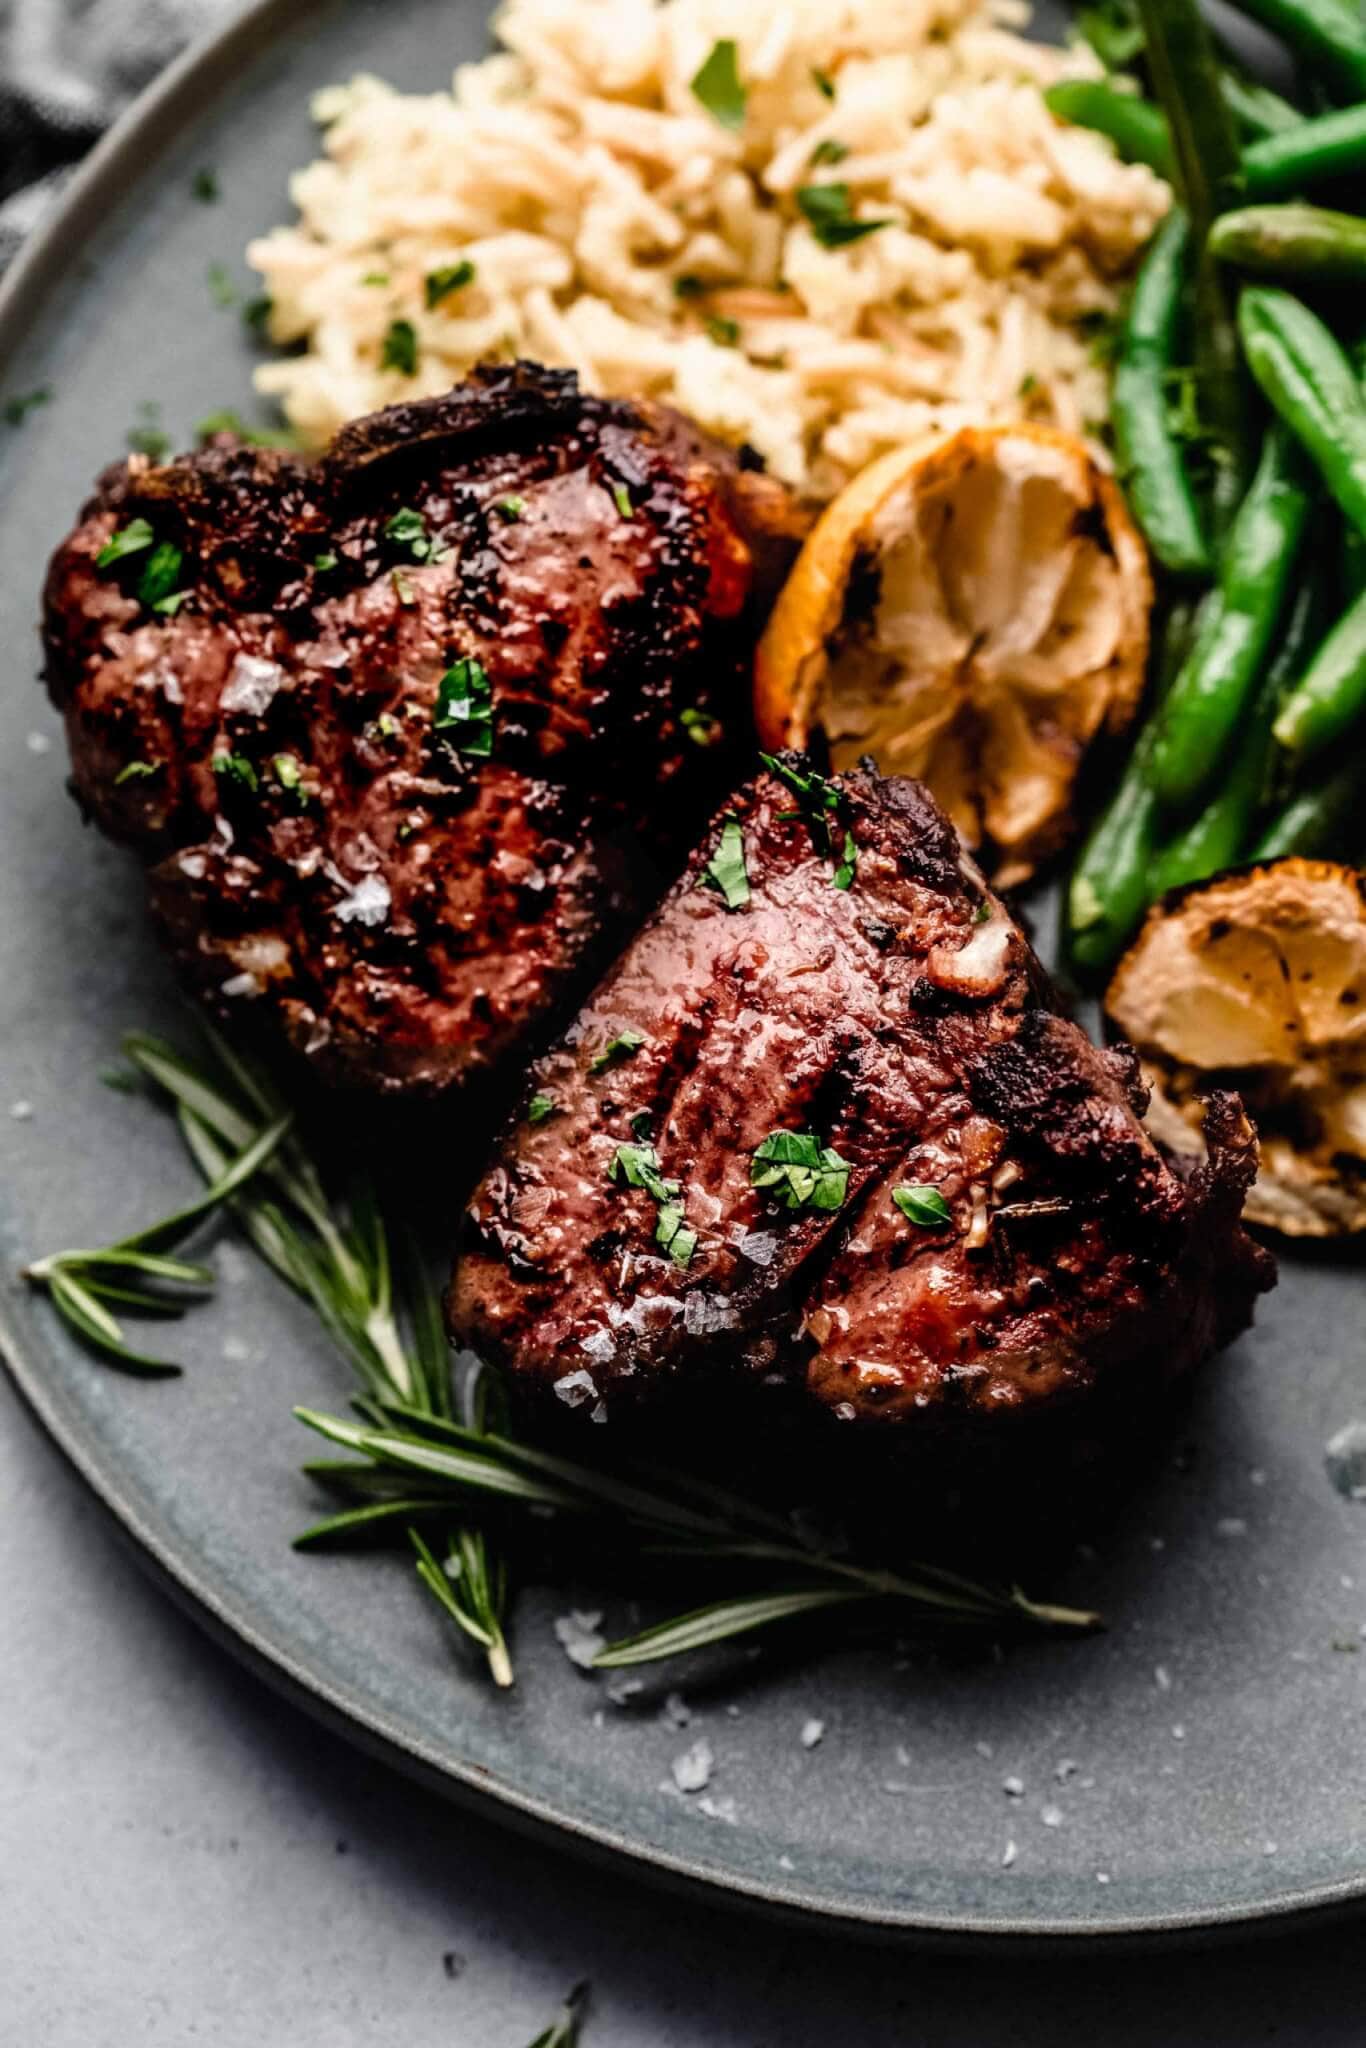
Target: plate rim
153	120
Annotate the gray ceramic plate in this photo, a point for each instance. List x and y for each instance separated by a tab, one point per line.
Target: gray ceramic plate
1203	1762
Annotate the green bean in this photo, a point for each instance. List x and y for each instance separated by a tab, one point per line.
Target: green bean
1216	837
1185	74
1310	382
1352	548
1208	696
1258	111
1330	35
1318	820
1295	241
1330	696
1108	892
1149	453
1137	128
1140	131
1327	147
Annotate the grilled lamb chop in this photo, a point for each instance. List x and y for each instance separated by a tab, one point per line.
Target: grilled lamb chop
822	1128
389	730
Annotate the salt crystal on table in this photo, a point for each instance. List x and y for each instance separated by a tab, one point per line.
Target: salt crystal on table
580	1637
1008	1855
692	1770
1051	1816
812	1731
1013	1787
21	1111
675	1711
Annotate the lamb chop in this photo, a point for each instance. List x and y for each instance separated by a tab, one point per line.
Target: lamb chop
823	1129
403	735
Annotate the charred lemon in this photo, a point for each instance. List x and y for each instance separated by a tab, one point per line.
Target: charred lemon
972	611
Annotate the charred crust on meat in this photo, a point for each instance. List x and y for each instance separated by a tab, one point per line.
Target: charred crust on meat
505	881
1076	1260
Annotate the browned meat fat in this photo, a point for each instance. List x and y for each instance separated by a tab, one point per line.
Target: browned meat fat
966	1216
391	730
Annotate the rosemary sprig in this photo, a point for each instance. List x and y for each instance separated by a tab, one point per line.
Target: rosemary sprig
82	1284
388	1326
710	1527
564	2030
422	1463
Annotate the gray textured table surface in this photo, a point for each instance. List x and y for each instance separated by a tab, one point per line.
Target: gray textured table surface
185	1858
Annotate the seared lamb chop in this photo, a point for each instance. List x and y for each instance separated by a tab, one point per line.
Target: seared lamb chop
388	730
822	1127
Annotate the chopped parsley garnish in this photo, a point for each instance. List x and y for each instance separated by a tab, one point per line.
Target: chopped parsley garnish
403	589
624	1046
325	561
226	421
637	1166
388	725
256	312
157	584
129	540
148	437
848	865
453	278
408	529
621	498
398	351
17	408
726	869
510	508
378	278
690	287
829	151
717	85
464	708
821	802
135	771
540	1107
923	1206
725	333
236	768
823	82
204	186
826	211
1114	31
1029	384
702	729
799	1171
982	914
222	290
290	775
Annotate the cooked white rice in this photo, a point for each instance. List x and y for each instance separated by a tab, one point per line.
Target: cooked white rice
581	176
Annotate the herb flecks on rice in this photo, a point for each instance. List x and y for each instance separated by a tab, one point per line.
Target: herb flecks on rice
604	219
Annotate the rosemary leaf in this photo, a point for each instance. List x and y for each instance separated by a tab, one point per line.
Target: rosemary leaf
564	2030
363	1521
93	1321
716	1624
